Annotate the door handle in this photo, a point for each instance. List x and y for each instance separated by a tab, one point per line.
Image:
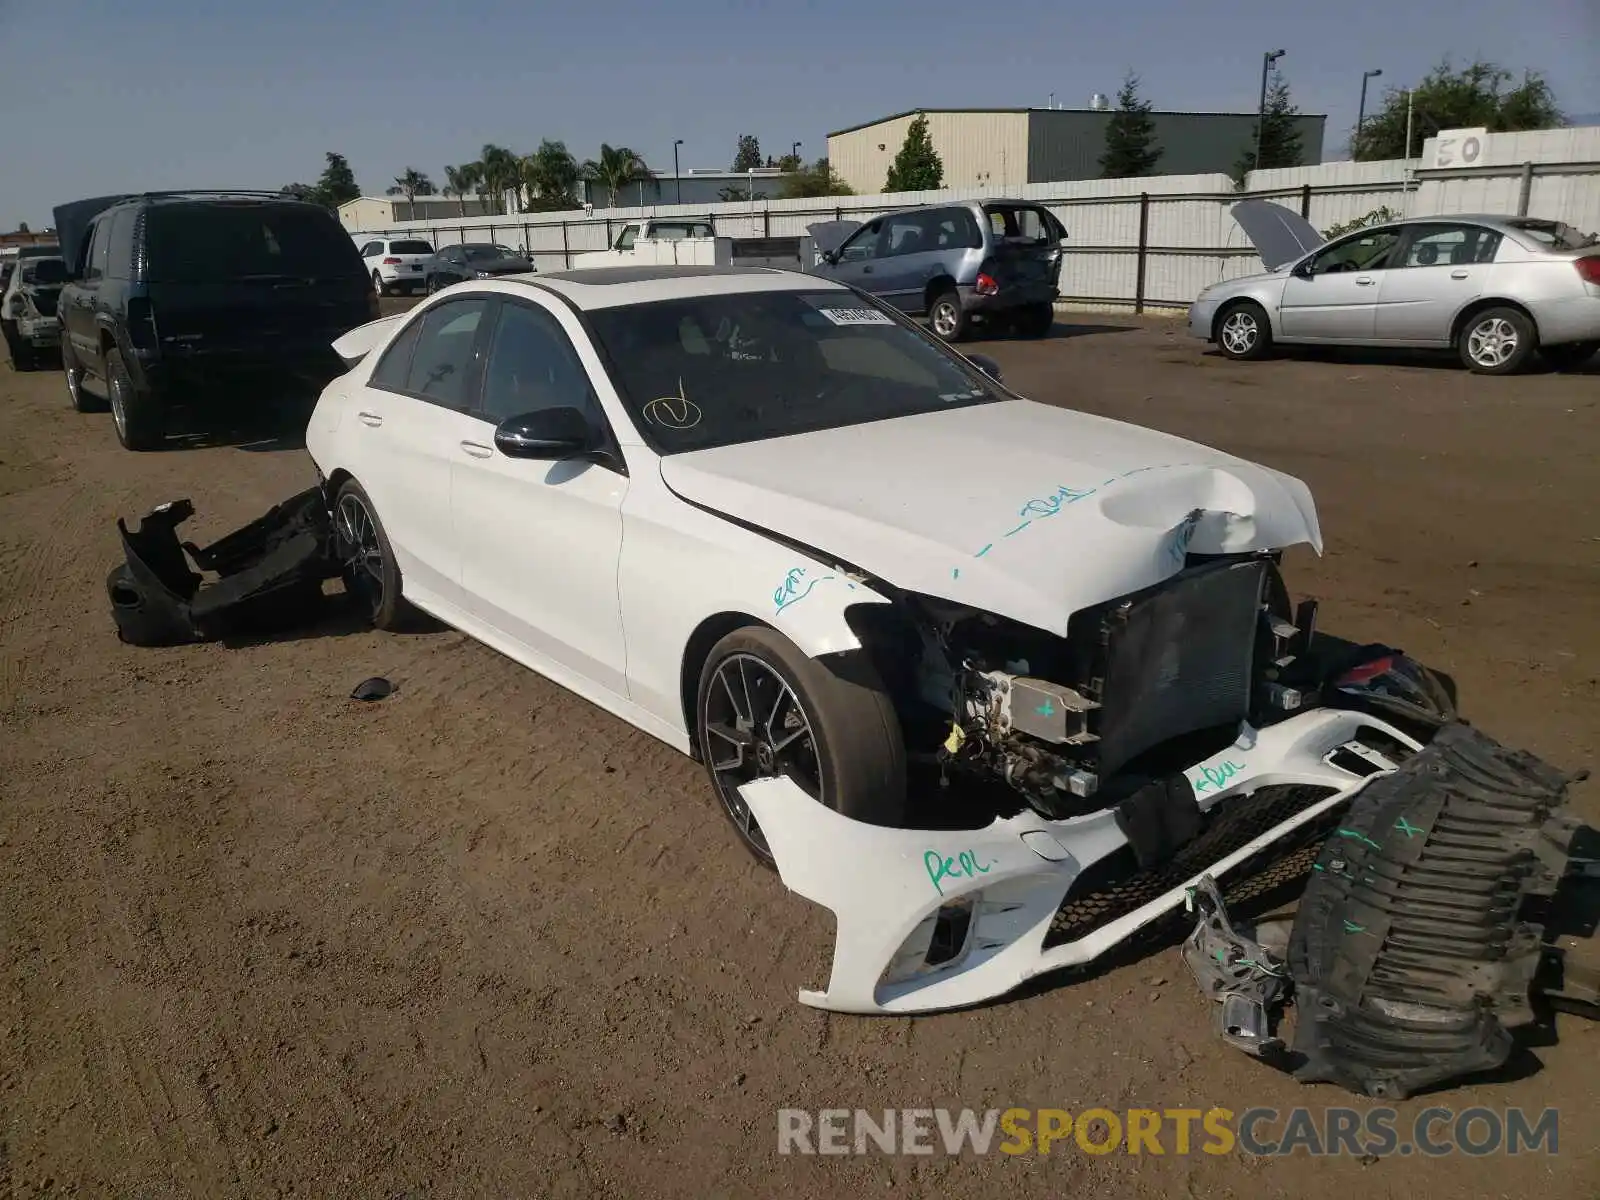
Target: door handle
1364	280
477	449
370	418
1459	274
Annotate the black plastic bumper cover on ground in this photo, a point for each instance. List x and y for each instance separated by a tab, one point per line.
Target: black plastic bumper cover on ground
1411	956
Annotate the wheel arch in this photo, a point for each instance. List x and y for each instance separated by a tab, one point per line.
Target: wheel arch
940	283
1483	304
1233	302
696	650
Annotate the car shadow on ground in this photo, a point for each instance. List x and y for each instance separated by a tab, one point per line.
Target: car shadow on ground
337	615
1060	331
1372	356
278	426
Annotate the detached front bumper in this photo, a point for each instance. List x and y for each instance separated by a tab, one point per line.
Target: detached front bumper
940	919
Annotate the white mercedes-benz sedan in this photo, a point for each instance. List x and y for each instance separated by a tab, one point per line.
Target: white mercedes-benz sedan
770	521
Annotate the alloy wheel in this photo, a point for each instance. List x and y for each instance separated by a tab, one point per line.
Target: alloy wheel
360	549
945	319
756	728
75	386
1492	342
1240	331
119	404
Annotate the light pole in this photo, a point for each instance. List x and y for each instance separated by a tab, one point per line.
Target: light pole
1361	112
1261	109
794	153
677	179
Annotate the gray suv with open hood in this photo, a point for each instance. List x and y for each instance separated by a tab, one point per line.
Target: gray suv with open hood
1494	289
991	262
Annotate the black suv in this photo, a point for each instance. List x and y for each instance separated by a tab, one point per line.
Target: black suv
175	298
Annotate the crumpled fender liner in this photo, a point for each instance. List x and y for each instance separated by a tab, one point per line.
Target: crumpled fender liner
270	574
1410	954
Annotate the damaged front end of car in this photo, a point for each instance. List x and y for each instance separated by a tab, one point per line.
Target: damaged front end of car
1198	727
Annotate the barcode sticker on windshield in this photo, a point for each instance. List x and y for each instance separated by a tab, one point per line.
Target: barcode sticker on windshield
856	316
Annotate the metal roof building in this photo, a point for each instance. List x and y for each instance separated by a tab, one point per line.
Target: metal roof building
1005	147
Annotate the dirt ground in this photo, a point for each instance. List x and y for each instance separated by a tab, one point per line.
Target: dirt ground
258	939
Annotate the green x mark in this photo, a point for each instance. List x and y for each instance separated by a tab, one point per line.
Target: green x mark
1407	828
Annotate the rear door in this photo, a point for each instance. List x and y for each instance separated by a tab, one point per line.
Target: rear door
1024	249
1438	271
412	417
253	278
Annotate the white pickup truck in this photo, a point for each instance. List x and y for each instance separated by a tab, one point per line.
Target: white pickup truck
654	240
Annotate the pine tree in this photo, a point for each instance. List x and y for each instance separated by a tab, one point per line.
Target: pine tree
917	168
1130	136
338	183
748	156
1281	144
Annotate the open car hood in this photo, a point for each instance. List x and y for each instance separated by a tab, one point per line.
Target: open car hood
1280	235
1020	509
828	236
72	220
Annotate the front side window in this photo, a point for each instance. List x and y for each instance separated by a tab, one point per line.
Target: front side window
1369	250
863	244
718	370
532	366
626	237
1450	246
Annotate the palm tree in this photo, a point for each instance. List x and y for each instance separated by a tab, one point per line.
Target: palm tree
458	181
412	184
615	169
550	177
499	171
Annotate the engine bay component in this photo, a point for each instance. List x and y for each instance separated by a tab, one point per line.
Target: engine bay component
1248	981
1051	712
270	574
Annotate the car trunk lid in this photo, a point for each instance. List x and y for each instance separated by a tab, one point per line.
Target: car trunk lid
1027	244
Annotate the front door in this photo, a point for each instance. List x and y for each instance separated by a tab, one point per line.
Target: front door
1440	270
857	261
1333	295
540	541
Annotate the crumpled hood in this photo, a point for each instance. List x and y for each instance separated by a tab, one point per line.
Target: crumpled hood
1017	508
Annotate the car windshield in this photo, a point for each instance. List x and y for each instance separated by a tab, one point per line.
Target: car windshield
206	243
719	370
1555	234
485	253
410	248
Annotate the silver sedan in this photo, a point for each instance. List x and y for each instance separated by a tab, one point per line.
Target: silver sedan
1494	289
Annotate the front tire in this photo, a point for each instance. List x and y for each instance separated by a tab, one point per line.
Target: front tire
1568	356
1497	341
764	709
1243	332
371	575
140	421
81	400
947	318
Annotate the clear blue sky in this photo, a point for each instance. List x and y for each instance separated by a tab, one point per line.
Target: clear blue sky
111	95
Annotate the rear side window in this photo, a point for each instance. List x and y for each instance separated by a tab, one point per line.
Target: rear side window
391	371
218	243
410	248
442	363
119	254
1023	223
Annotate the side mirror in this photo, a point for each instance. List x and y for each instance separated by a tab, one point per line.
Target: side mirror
1304	270
987	365
549	433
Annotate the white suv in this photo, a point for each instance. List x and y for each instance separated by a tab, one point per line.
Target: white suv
396	265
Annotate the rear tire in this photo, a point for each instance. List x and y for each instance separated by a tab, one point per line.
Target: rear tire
838	738
1243	332
1035	320
140	420
1568	356
378	285
1497	341
947	318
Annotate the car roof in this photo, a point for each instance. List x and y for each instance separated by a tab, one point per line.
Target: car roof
612	287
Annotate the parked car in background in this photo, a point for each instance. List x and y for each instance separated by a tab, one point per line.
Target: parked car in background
396	264
28	307
1494	289
994	262
474	260
187	299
